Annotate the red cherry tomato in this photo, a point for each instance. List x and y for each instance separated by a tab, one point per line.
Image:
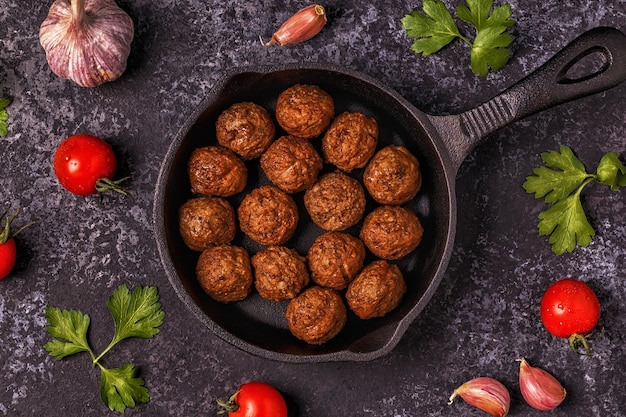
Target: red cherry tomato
85	164
570	309
8	255
255	399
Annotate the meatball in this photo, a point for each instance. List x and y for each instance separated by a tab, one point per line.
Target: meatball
280	273
316	315
268	215
206	221
245	128
216	171
292	164
335	258
376	291
224	273
304	111
350	141
393	175
391	232
335	202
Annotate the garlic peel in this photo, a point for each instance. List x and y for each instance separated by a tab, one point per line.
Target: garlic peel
302	26
87	41
486	394
540	389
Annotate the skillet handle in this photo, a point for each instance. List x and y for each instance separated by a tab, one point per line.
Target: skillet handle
549	85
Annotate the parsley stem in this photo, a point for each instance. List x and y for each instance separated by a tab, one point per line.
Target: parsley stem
96	361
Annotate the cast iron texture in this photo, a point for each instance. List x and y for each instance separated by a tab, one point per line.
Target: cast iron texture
441	143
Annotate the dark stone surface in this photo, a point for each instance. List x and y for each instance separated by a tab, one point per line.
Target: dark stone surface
484	314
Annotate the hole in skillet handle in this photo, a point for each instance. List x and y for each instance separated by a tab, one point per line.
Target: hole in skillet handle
587	65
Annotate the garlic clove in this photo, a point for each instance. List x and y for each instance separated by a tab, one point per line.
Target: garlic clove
539	388
87	41
300	27
486	394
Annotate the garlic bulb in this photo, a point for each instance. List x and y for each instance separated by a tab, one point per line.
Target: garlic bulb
539	388
87	41
486	394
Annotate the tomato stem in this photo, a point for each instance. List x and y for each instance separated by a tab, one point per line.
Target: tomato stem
578	342
105	185
229	406
5	232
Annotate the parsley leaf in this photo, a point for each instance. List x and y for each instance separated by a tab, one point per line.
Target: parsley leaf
561	182
121	388
70	328
433	30
566	224
562	174
136	314
436	28
4	116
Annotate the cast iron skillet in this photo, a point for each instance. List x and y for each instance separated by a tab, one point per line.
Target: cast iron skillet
441	143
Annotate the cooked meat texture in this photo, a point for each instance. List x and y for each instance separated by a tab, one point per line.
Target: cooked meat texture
224	273
391	232
393	175
292	164
350	141
304	110
335	258
268	215
216	171
206	221
280	273
376	291
245	128
316	315
335	202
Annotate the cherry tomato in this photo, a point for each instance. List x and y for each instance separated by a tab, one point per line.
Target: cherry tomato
570	309
85	164
255	399
8	250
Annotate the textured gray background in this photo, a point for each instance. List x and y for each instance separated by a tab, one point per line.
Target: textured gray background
483	316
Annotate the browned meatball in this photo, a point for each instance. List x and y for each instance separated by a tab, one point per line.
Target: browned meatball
335	202
304	110
350	141
335	258
376	291
224	273
268	215
280	273
245	128
393	175
206	221
391	232
292	164
217	171
316	315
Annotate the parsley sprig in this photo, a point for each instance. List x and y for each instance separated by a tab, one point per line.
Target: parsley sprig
136	314
4	116
436	28
560	182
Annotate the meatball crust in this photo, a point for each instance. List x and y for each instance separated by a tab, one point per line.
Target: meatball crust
335	258
216	171
245	128
335	202
316	315
304	110
292	164
391	232
268	215
206	221
376	291
224	273
280	273
350	141
393	175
